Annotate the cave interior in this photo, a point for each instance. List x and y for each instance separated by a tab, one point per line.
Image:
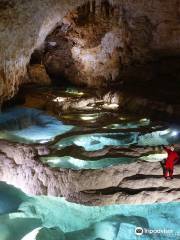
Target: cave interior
89	96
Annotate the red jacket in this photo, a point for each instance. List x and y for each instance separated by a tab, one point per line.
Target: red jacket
172	156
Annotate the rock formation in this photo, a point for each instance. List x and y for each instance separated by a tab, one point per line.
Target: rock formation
95	89
37	74
138	182
99	100
127	46
24	26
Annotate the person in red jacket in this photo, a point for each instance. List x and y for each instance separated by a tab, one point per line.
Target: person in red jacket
171	158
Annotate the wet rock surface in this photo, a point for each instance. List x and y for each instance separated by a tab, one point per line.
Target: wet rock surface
104	158
138	182
58	101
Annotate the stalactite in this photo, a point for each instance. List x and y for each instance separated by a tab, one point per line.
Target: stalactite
93	6
88	8
31	34
105	8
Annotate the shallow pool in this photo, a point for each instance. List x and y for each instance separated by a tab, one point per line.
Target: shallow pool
30	126
75	163
54	218
66	139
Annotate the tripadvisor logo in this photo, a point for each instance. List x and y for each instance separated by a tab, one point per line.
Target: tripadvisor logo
139	231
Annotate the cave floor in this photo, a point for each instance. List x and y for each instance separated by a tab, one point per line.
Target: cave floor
84	130
99	155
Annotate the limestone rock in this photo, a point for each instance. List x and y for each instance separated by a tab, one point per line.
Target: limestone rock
121	37
138	182
37	74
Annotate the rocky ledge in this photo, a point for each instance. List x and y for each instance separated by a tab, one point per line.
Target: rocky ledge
56	102
138	182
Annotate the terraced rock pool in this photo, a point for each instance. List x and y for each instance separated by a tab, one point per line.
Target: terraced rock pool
97	144
91	135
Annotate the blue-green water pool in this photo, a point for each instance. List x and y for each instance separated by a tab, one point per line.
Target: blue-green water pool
52	218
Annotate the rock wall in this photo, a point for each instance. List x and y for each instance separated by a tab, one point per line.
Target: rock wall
24	26
94	43
138	182
144	29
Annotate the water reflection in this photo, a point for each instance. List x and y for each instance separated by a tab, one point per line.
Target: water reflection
89	133
30	125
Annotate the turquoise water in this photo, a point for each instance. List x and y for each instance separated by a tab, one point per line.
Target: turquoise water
27	125
52	218
24	217
74	163
97	141
156	138
30	125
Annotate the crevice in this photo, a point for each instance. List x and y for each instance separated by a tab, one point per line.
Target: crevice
128	191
